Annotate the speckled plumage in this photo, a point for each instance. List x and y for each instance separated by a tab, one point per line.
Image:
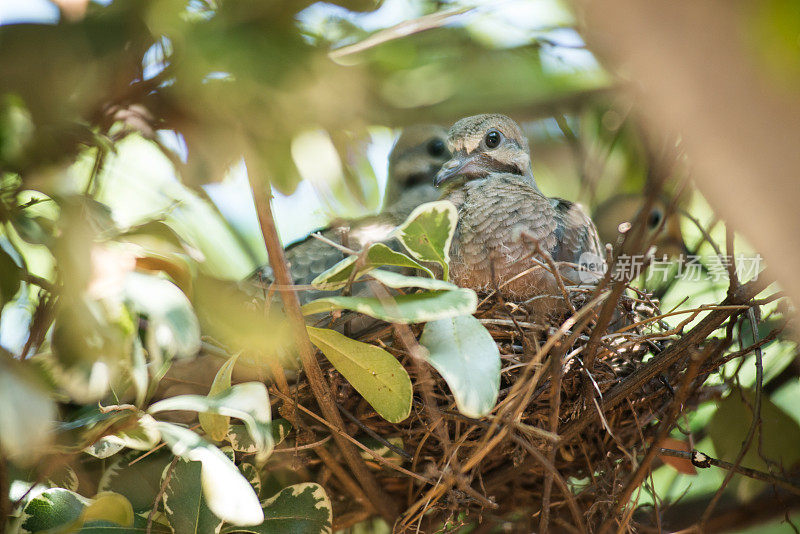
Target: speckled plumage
502	215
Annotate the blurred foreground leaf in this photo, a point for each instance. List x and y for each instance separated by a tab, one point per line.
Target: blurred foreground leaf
236	319
776	438
227	493
404	309
183	500
302	508
378	255
111	507
27	412
248	402
216	426
173	330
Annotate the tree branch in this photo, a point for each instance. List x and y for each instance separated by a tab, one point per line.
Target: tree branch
261	197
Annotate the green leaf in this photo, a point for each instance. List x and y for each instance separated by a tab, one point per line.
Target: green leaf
27	413
172	327
54	509
183	500
139	482
378	255
216	426
241	441
299	509
428	232
111	507
375	373
250	472
228	315
227	493
779	436
403	309
248	402
464	353
143	437
139	374
397	281
107	527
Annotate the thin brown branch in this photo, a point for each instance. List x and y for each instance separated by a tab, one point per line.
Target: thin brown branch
754	426
664	360
556	372
405	28
663	431
321	390
350	485
160	494
704	461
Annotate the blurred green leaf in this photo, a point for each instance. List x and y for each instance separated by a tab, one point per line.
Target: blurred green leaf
27	412
776	438
302	508
428	232
111	507
378	255
139	482
216	426
232	317
184	504
16	130
248	402
404	309
464	353
10	274
373	372
227	493
53	510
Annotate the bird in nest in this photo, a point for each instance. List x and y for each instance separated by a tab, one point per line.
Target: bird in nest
414	160
506	226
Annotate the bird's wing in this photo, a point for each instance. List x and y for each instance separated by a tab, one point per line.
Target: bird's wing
578	241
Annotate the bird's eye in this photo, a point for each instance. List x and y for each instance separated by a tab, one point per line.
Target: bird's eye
655	218
436	148
493	139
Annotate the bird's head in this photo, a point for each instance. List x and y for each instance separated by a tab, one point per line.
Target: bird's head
416	157
482	145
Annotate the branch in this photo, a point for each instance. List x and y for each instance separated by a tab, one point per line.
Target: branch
754	426
659	363
704	461
261	197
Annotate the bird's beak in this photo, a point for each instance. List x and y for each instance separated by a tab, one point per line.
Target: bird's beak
467	165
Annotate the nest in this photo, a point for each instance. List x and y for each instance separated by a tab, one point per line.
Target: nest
445	470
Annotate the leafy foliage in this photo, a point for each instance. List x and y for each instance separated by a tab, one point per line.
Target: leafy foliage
428	232
464	353
118	263
298	509
375	373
